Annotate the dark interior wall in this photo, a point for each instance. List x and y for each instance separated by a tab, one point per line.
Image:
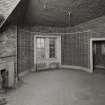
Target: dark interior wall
25	41
55	12
75	43
25	51
76	48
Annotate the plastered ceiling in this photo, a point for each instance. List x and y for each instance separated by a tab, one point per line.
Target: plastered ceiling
63	12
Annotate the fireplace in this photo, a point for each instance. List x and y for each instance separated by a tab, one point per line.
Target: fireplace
7	66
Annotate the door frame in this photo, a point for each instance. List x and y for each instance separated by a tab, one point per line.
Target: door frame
91	51
46	36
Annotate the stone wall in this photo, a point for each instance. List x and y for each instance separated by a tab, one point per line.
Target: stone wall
8	47
8	41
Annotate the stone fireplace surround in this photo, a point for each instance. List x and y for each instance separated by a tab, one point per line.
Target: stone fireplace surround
7	63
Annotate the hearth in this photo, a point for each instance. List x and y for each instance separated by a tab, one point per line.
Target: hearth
7	70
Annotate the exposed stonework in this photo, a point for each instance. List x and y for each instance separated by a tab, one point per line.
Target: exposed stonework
8	41
8	49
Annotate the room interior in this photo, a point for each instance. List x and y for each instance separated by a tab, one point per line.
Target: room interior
53	51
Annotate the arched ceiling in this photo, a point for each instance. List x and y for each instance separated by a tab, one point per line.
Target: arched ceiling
63	12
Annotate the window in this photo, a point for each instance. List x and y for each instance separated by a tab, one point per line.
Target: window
52	45
48	48
41	47
103	48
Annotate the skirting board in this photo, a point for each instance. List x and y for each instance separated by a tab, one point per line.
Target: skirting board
22	74
76	67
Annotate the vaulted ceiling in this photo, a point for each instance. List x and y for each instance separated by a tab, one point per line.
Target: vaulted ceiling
59	13
63	12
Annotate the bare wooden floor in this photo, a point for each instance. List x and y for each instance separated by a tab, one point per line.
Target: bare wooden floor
60	87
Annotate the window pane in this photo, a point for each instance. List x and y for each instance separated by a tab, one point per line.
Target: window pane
41	47
103	48
52	47
40	42
40	52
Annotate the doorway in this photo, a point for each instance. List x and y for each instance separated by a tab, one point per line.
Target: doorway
97	57
47	52
99	54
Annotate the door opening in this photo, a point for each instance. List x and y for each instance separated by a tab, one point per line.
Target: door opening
98	54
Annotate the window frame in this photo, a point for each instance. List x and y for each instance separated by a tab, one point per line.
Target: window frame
53	47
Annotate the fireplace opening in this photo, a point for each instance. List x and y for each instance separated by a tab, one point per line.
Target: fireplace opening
4	79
